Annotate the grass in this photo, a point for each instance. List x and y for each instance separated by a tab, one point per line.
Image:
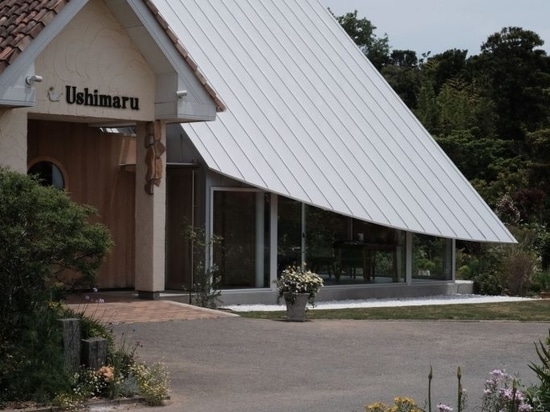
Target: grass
528	311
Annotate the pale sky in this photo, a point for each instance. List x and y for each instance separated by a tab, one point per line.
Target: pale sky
439	25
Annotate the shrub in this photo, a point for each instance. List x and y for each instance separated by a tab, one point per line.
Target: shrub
540	394
502	393
401	404
33	365
44	237
504	269
541	281
152	382
206	279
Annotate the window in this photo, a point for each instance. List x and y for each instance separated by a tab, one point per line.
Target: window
48	173
241	219
432	258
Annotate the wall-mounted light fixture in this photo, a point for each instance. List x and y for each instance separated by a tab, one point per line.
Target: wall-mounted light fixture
181	94
31	80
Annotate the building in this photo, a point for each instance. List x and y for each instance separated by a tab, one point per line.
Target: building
260	122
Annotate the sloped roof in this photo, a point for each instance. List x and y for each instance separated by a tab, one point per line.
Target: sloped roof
20	22
310	118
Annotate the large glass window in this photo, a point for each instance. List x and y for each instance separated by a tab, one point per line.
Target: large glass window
241	219
432	258
289	230
340	249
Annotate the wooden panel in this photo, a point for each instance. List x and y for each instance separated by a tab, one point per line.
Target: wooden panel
91	160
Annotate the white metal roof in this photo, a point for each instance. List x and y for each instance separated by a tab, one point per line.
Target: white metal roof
310	118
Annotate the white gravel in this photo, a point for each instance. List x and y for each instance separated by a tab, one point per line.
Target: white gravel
381	303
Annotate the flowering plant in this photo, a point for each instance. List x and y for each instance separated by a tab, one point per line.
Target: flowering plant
502	393
294	280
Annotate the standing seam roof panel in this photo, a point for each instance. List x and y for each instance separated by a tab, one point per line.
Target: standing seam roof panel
310	118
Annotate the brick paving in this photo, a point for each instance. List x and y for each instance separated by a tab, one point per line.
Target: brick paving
127	308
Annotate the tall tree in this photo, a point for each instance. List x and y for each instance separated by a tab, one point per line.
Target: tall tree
514	72
451	64
403	74
361	31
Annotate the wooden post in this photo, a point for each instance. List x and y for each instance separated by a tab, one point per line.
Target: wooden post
94	352
71	343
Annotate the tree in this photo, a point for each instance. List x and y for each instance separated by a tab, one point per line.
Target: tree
44	236
514	72
451	64
403	74
361	32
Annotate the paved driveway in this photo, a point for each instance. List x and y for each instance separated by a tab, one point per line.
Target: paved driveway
235	364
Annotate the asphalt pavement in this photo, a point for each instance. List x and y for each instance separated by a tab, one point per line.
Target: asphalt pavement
235	364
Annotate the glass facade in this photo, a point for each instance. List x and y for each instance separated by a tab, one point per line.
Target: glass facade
343	250
241	219
432	258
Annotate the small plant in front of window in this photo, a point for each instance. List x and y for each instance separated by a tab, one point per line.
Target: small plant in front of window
206	279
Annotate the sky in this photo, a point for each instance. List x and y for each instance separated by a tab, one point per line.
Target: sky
439	25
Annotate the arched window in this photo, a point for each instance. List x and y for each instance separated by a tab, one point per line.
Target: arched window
49	173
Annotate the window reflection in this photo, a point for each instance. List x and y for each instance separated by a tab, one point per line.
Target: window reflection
48	173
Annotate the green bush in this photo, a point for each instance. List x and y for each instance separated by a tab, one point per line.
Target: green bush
541	281
33	365
47	244
540	393
512	269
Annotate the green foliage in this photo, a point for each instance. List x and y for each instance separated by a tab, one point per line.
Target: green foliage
528	311
503	268
403	75
206	277
90	327
33	364
540	394
43	237
504	393
362	33
401	404
541	282
516	72
153	382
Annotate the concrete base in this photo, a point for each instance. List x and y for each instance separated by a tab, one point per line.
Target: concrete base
353	292
148	295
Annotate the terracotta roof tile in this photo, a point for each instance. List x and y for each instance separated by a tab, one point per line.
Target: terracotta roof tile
21	22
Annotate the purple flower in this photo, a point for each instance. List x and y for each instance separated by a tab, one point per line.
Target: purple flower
444	408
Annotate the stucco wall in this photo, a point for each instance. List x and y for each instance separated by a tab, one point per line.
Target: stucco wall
94	52
13	139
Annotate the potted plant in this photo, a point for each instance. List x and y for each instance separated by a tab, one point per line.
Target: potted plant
298	287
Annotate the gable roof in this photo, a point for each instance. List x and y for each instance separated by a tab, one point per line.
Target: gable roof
310	118
21	21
